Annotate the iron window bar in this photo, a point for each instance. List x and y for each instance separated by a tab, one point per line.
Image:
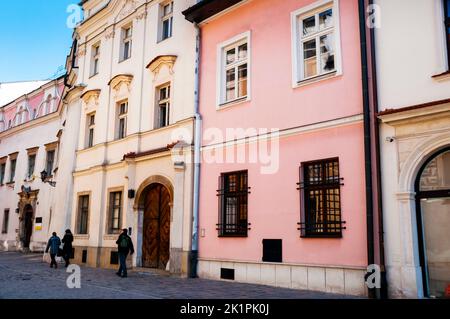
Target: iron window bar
320	201
233	204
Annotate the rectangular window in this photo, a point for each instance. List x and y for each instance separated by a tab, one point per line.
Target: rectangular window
90	130
49	162
234	70
447	28
31	163
115	211
12	171
122	110
233	197
95	59
163	107
316	41
127	33
166	20
2	172
5	221
320	186
83	214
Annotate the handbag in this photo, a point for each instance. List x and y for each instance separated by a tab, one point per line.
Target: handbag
60	252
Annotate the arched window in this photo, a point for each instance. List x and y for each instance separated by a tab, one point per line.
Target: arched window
433	220
48	105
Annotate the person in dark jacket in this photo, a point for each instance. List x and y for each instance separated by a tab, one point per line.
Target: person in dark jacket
125	246
53	244
67	249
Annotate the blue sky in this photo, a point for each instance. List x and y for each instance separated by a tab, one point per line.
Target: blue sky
34	38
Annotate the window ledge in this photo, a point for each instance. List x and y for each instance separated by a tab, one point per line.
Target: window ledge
123	60
330	236
226	105
81	236
442	77
316	79
111	236
162	40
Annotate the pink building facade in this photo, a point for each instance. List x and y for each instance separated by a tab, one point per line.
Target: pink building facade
282	179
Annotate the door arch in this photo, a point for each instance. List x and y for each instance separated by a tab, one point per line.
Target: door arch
432	187
28	225
156	226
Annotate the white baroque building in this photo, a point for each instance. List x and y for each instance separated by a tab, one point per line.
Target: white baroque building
414	112
32	140
132	78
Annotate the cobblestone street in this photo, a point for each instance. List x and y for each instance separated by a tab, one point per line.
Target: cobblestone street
25	276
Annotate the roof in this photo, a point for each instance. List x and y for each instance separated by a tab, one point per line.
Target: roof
207	8
9	91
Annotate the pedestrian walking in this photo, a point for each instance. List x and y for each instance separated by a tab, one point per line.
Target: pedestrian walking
125	246
67	248
53	244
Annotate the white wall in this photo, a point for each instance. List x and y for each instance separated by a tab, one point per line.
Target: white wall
411	48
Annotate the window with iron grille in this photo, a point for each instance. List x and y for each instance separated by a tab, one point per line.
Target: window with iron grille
233	204
320	192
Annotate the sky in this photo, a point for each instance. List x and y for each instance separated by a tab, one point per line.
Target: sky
34	38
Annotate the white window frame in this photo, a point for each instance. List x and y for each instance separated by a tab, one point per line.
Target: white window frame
121	116
124	39
164	18
166	102
297	49
95	59
90	127
237	40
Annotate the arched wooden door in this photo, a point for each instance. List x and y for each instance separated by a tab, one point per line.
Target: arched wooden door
156	227
28	225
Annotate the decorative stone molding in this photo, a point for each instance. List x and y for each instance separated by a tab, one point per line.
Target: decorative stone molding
157	63
142	15
417	157
81	51
117	81
128	7
156	179
91	95
110	34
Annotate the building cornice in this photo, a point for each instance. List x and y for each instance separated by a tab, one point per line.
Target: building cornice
415	111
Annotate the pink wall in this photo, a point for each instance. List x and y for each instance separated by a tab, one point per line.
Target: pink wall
274	102
274	204
34	102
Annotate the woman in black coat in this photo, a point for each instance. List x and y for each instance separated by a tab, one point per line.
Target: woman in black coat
67	249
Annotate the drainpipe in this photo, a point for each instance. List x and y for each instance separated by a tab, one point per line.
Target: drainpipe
382	292
367	139
197	143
